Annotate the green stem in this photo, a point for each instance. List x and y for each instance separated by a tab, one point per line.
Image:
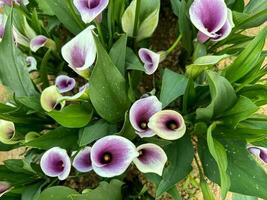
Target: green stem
110	23
136	20
73	13
174	45
43	69
99	31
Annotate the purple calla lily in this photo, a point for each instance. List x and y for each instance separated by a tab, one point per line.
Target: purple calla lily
2	26
151	159
211	18
90	9
65	83
82	161
38	42
259	152
112	155
83	94
167	124
4	188
56	163
150	59
140	113
80	52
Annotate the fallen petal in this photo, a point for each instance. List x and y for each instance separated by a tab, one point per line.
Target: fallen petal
112	155
140	113
50	99
65	83
167	124
82	161
150	59
151	159
56	163
90	9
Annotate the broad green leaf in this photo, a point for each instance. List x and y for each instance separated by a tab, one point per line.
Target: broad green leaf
132	61
255	122
203	63
32	102
242	110
236	196
247	176
173	86
18	165
180	155
108	91
118	53
73	116
64	10
127	129
174	193
44	6
257	93
61	137
57	193
94	131
218	152
32	192
13	70
255	6
222	94
247	59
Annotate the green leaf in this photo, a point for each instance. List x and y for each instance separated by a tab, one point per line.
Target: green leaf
66	14
173	86
218	152
73	116
127	129
257	93
93	132
203	63
57	193
13	72
132	61
32	102
108	91
222	94
236	196
44	6
118	53
206	192
247	176
242	110
105	191
18	165
61	137
32	192
180	155
247	59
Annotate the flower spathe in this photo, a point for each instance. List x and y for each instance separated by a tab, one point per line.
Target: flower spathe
32	63
80	52
4	188
168	124
151	159
90	9
7	131
50	99
150	59
56	163
65	83
112	155
212	18
259	152
82	161
140	113
83	94
38	42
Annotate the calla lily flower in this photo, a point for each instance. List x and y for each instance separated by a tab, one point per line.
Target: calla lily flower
2	26
112	155
56	163
7	131
151	159
167	124
80	52
22	2
140	113
20	38
50	99
259	152
65	83
83	94
82	161
38	42
90	9
150	59
4	188
212	19
32	63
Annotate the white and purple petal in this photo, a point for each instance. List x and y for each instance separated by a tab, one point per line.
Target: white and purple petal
140	113
65	83
82	161
83	94
38	42
90	9
7	131
151	159
259	152
31	63
168	124
208	16
112	155
56	163
150	59
50	99
80	52
4	188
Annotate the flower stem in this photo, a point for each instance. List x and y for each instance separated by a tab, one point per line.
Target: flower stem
136	20
174	45
43	69
99	31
